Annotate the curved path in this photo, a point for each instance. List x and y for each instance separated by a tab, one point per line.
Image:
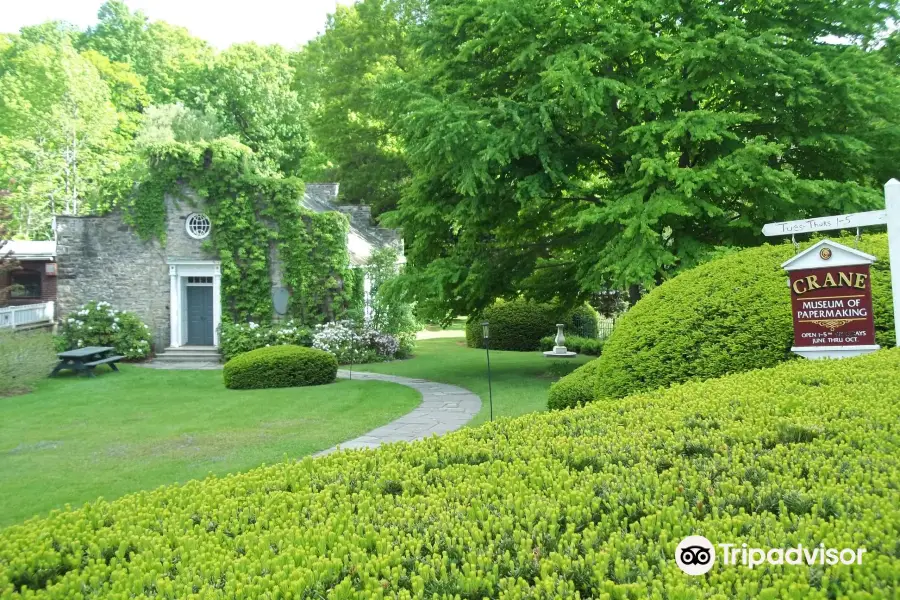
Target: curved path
444	408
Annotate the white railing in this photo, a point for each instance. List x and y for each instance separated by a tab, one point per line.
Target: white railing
29	314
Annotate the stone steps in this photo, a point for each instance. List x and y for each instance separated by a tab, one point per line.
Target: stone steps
189	354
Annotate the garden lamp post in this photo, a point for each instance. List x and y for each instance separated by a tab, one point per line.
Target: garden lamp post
486	334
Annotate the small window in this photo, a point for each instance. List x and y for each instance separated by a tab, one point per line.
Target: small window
25	284
198	225
200	280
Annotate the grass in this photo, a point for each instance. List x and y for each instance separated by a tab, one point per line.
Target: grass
26	356
520	379
76	438
458	324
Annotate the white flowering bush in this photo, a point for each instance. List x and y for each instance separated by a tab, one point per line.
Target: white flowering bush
99	324
352	345
237	338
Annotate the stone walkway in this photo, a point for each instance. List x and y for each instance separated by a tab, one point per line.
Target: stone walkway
444	408
444	333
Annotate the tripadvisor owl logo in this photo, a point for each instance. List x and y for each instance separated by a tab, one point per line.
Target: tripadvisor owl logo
695	555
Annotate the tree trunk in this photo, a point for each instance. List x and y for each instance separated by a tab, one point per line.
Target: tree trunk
634	294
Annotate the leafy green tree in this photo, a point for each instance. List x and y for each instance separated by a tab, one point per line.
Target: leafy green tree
176	123
169	59
250	90
338	75
58	132
126	91
560	147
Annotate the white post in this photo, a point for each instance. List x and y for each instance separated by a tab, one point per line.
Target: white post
217	303
174	308
892	204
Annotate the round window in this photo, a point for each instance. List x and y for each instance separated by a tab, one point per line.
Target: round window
198	226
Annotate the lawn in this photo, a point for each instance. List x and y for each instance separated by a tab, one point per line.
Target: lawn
520	379
76	438
458	324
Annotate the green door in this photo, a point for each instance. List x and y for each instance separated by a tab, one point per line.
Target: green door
200	315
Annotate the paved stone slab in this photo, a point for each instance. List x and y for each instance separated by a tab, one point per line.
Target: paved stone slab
444	408
181	365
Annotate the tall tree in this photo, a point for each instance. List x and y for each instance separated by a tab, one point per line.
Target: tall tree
169	59
58	132
561	146
338	74
250	90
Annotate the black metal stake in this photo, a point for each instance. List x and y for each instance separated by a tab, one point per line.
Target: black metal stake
486	333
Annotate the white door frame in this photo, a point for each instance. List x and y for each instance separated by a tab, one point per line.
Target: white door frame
179	271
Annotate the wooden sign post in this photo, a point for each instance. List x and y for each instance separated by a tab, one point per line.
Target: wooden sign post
830	283
831	301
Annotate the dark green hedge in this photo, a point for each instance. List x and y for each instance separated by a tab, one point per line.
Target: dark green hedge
280	366
575	389
520	324
587	503
730	315
582	345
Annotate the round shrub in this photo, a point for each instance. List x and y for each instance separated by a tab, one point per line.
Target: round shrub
730	315
582	322
99	324
280	366
520	324
575	389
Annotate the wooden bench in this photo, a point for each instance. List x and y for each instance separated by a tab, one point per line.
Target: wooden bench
109	360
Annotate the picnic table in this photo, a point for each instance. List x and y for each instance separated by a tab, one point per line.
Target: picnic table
84	360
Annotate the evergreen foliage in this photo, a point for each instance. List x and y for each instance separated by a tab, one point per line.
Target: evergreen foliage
578	146
520	324
280	366
587	503
575	389
729	315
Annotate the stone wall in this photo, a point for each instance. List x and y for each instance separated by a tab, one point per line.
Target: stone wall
102	258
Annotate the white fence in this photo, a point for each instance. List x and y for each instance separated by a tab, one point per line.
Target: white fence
29	314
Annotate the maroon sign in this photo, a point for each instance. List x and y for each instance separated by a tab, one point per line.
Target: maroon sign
832	306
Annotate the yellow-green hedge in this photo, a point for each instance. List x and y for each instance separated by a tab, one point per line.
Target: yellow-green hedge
590	501
575	389
726	316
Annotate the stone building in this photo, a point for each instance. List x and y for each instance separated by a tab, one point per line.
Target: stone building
174	288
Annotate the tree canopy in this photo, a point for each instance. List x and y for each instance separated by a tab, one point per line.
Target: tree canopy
546	148
558	147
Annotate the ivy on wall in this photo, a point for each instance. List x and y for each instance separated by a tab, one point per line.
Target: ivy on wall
252	215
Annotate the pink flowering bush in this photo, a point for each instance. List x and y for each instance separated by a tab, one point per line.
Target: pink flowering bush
351	345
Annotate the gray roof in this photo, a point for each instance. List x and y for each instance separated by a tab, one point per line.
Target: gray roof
365	235
30	250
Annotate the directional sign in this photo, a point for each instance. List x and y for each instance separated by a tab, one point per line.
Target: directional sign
863	219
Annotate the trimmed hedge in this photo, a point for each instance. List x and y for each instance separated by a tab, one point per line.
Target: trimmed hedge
592	501
729	315
520	324
280	366
575	389
582	345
